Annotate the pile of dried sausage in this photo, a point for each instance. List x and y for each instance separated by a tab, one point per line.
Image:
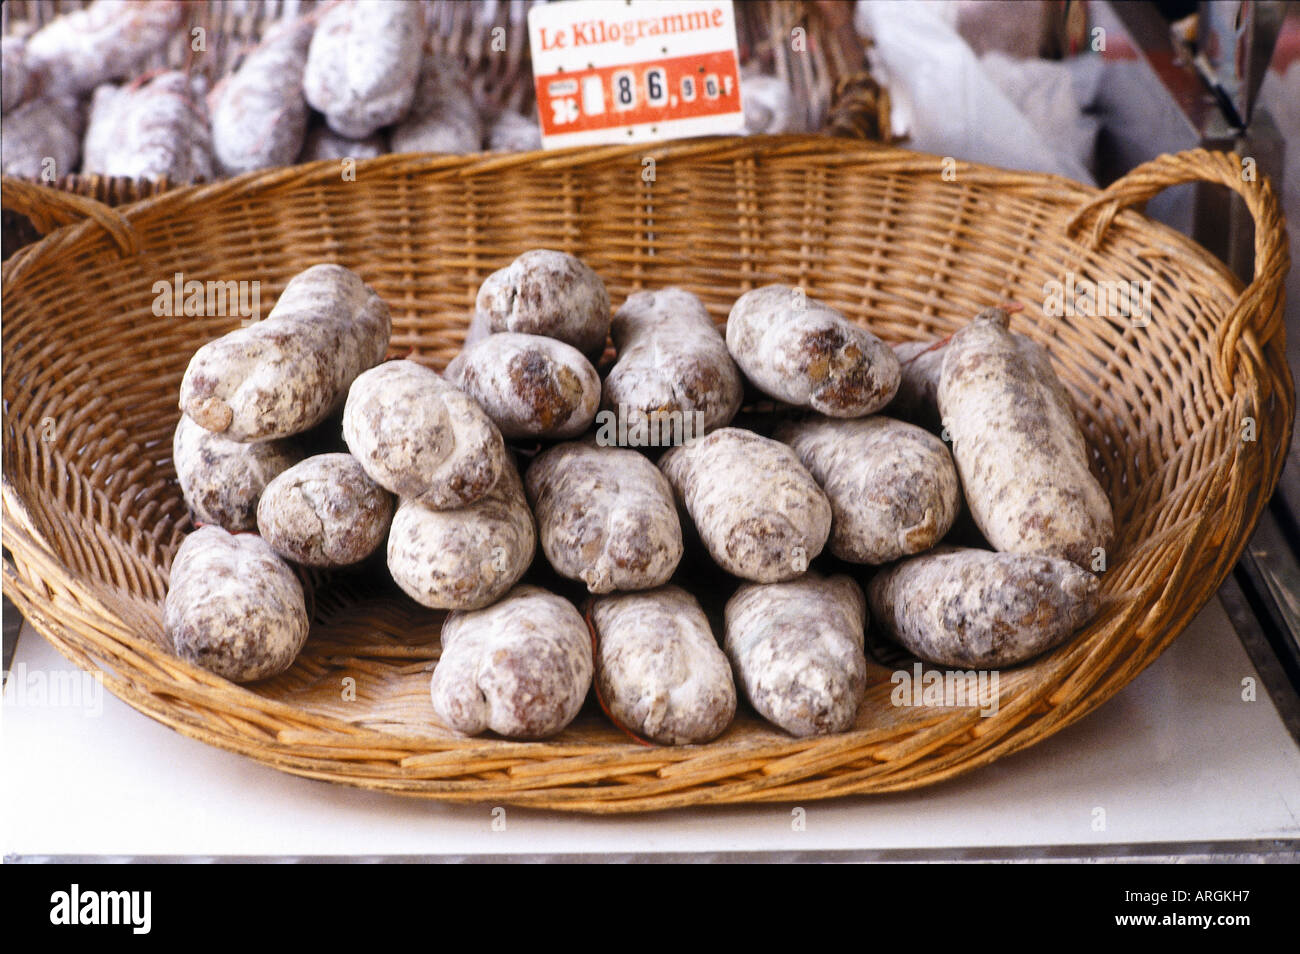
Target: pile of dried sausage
811	517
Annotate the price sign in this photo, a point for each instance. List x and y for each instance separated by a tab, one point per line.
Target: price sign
634	70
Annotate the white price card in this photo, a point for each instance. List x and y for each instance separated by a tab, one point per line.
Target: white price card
634	70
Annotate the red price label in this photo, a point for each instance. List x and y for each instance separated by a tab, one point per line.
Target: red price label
632	72
688	87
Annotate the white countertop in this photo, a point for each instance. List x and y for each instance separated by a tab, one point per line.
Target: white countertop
1178	756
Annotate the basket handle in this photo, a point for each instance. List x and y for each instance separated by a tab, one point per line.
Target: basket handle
1258	310
49	208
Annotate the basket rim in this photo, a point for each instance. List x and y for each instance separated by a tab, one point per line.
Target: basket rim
828	150
24	583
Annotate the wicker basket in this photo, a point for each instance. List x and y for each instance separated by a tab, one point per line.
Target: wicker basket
93	515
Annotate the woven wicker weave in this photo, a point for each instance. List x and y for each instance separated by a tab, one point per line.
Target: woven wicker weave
92	513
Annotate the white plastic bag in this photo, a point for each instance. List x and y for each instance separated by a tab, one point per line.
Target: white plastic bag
947	102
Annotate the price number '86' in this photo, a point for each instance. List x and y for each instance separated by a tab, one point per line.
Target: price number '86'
658	91
629	91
